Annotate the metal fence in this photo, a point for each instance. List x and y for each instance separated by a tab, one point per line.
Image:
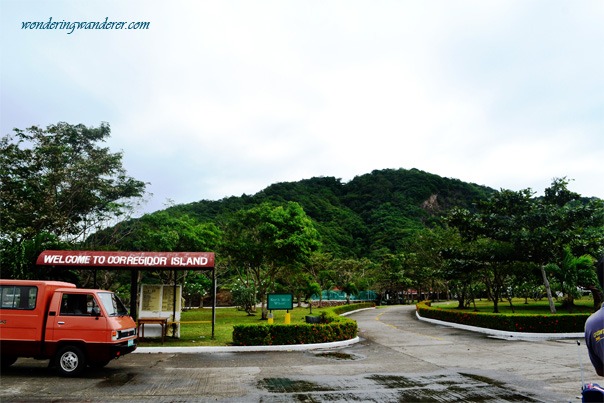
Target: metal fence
330	295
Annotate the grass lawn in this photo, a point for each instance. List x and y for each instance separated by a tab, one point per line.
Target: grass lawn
540	307
200	333
196	326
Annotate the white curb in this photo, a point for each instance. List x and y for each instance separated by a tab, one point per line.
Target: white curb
503	334
238	349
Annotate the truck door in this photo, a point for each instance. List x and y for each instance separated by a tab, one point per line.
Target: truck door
80	319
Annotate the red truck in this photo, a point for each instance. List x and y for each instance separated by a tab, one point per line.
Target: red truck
73	327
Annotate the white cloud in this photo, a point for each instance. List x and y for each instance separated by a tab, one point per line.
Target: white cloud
224	98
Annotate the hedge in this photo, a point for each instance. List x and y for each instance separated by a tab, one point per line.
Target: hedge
353	307
333	328
528	323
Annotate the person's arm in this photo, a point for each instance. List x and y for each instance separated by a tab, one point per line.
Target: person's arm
594	340
595	349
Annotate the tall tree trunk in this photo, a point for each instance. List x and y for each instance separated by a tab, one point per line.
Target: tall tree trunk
548	290
461	296
264	311
511	304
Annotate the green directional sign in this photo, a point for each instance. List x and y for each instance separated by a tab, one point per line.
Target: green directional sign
280	301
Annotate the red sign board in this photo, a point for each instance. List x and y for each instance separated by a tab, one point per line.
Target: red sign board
150	260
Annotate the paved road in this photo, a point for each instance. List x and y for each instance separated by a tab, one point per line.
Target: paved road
399	359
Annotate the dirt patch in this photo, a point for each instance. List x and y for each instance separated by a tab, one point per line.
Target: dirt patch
287	385
336	355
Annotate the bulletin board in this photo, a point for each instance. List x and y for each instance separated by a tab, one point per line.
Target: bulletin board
157	301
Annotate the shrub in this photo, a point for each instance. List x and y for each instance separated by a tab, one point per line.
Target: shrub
331	328
252	335
529	323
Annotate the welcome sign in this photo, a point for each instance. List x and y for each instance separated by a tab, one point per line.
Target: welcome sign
82	258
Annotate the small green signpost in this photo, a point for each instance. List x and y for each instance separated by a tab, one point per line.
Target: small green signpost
280	301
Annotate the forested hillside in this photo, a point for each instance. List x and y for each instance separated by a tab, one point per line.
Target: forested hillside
371	213
400	233
395	232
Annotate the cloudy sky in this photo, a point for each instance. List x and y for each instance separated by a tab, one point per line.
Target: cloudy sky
221	98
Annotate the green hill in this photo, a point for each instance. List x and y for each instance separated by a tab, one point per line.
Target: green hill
370	213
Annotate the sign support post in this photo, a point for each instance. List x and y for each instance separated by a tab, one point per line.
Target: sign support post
213	300
174	305
280	301
134	294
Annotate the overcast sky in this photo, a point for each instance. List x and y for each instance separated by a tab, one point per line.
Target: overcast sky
222	98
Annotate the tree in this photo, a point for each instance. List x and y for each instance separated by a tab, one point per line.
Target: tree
160	231
560	220
423	259
489	235
497	264
348	273
534	231
319	268
573	272
350	289
244	297
264	240
311	288
390	277
195	287
60	181
17	259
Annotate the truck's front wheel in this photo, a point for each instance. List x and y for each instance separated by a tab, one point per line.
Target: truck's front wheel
70	361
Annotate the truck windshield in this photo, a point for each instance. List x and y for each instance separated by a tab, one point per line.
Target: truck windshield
113	305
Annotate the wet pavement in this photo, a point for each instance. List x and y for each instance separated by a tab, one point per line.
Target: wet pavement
399	359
